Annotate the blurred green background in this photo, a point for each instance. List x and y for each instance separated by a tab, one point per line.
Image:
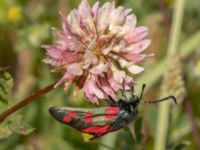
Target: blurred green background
26	25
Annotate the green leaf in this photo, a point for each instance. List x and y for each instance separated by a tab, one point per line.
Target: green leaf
15	125
20	126
179	146
4	132
6	84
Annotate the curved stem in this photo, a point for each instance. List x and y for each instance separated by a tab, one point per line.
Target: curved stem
26	101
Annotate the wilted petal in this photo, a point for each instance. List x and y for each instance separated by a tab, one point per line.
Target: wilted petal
133	57
116	19
64	42
114	84
105	86
84	9
123	63
75	69
90	56
67	77
53	62
74	19
136	34
99	69
139	46
91	90
118	79
86	15
69	57
65	25
107	50
135	69
59	55
95	9
127	11
53	51
129	24
119	76
104	16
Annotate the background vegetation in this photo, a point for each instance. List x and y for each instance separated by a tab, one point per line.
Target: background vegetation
175	33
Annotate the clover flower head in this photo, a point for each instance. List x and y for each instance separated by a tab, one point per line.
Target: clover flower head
94	48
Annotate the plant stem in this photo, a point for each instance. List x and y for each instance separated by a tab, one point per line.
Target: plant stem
176	28
26	101
164	108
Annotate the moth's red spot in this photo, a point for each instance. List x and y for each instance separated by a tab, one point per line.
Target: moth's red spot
112	110
88	119
104	129
89	113
110	116
67	119
72	114
96	129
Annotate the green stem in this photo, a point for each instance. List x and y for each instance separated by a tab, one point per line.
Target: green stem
176	28
164	108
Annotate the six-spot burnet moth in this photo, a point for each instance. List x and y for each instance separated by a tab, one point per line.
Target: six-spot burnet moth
100	121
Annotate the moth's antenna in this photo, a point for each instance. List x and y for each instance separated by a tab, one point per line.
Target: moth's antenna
162	99
122	91
143	87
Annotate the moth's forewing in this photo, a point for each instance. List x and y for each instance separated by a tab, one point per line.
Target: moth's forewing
95	121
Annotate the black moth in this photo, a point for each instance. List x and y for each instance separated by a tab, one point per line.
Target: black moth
102	120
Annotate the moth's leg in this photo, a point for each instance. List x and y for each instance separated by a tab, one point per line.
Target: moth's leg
113	102
110	99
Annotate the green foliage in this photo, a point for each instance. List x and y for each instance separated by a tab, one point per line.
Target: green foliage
21	40
180	146
16	125
32	36
6	84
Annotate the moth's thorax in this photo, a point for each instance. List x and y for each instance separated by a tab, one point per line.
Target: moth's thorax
128	114
130	106
134	101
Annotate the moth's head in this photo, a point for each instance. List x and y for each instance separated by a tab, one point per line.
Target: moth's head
134	100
